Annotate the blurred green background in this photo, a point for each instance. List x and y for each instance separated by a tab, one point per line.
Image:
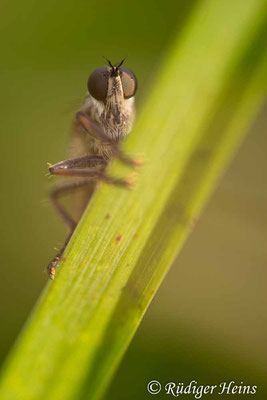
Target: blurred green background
208	320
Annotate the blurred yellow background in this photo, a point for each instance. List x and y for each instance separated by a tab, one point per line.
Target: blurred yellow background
208	320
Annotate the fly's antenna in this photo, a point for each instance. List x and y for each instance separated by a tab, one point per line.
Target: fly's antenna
115	68
122	61
112	66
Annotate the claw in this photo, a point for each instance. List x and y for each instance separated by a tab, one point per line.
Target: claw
130	182
51	272
137	162
52	267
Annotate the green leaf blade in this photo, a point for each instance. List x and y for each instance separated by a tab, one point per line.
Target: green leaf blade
210	89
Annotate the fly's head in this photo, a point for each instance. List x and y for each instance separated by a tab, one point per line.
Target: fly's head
113	88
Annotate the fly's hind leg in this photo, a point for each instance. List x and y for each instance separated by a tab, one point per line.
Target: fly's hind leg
89	170
95	165
60	189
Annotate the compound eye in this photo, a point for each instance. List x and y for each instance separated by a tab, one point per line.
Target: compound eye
129	82
98	83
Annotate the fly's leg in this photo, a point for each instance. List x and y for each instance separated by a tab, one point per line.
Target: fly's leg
90	167
60	189
95	130
91	163
51	268
64	187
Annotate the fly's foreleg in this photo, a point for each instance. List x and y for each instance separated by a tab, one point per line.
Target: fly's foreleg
95	130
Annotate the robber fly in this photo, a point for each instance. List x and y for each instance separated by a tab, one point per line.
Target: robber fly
104	119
